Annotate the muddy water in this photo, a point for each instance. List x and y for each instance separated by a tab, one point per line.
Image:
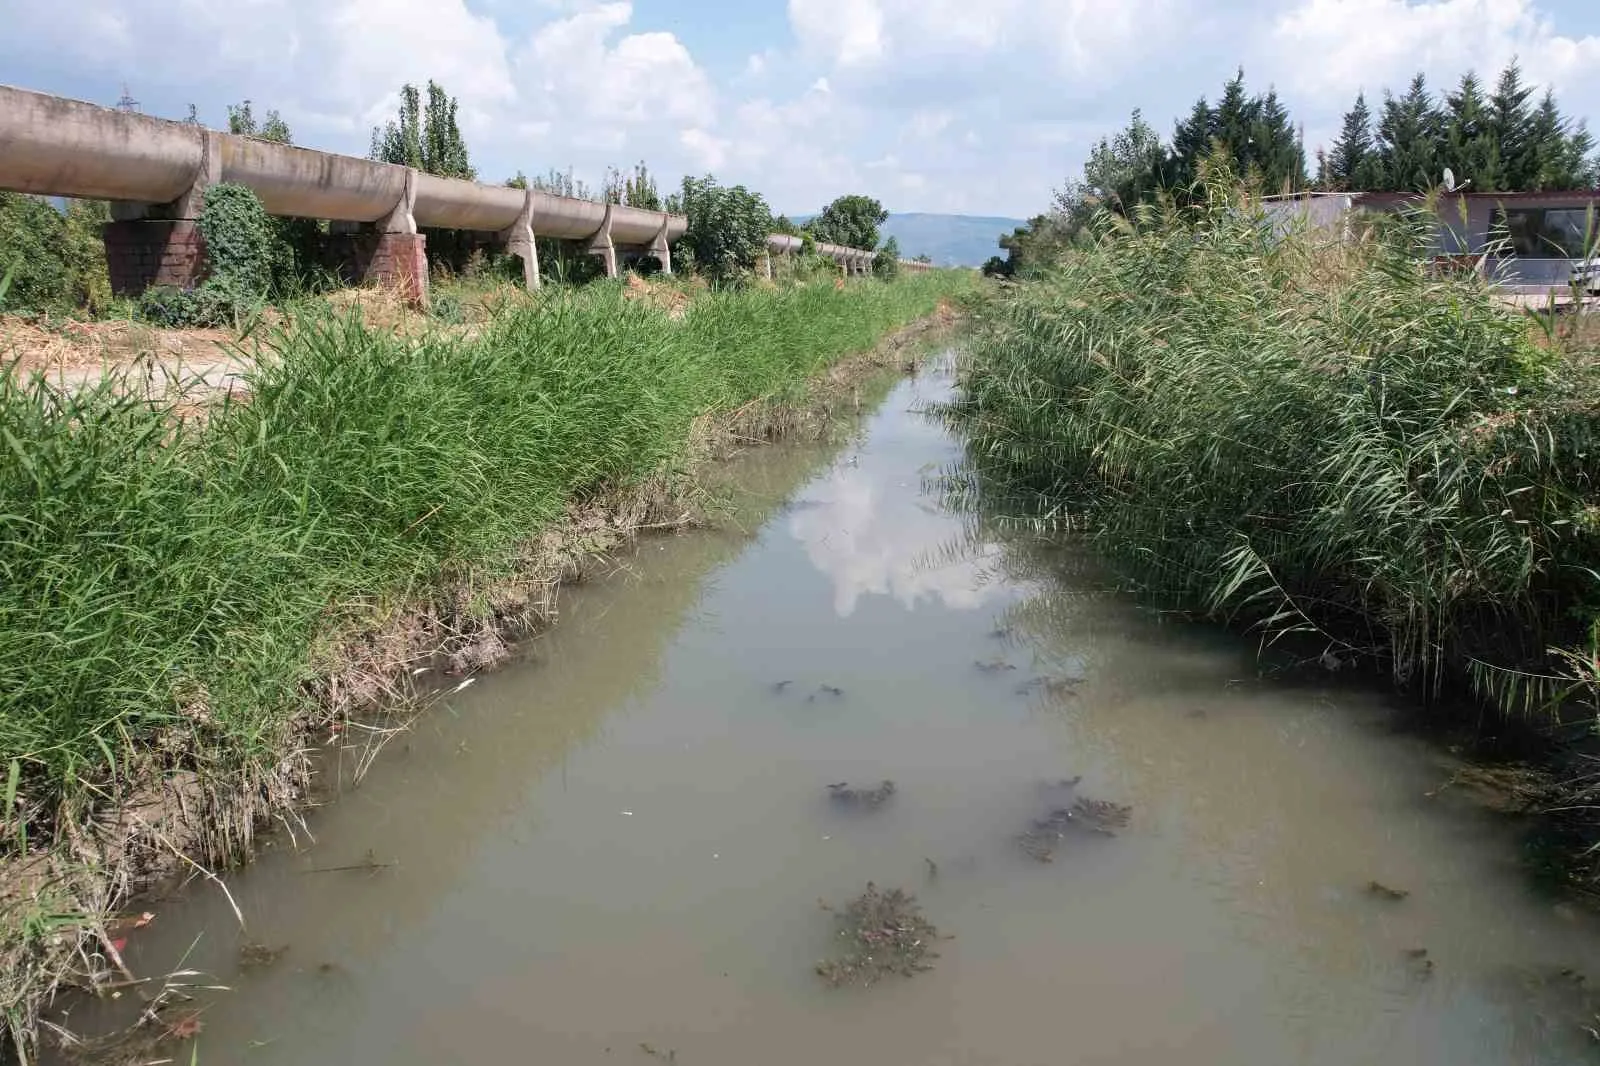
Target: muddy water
621	841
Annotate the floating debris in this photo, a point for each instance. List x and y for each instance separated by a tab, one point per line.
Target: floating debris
993	666
1001	633
884	934
254	956
1100	817
779	686
864	798
1421	966
1383	891
1052	686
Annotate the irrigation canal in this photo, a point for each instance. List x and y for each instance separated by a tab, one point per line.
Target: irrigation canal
614	850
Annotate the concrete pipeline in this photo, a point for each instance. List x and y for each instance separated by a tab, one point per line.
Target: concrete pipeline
155	173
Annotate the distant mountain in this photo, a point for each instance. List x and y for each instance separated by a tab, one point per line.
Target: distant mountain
949	240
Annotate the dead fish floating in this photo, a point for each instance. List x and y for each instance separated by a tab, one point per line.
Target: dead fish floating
864	798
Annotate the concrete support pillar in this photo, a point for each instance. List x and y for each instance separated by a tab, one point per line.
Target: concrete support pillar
151	245
601	245
518	239
399	257
660	248
388	253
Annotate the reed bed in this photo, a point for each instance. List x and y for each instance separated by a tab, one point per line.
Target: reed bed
1304	431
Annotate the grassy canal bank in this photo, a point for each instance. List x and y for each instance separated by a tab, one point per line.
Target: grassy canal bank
1304	434
186	598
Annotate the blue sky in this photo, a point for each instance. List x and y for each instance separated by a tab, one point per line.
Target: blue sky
972	106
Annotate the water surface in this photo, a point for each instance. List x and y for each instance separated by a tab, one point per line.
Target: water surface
621	841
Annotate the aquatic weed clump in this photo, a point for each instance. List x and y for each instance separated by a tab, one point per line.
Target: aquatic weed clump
868	799
882	934
1043	837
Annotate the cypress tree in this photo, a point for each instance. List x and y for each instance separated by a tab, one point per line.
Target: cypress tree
1191	140
1354	163
1235	122
1511	125
1469	145
1408	138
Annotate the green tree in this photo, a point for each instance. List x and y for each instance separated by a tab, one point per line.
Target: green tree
1120	172
518	181
242	121
852	221
562	183
1191	142
633	189
1036	247
1354	163
1408	138
886	263
728	227
1277	158
1511	125
1469	145
424	138
783	224
1235	123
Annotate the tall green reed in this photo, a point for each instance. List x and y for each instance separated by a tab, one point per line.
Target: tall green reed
1295	430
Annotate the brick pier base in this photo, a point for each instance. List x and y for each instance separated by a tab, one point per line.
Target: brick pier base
144	254
397	261
148	253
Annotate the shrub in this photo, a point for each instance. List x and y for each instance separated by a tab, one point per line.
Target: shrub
59	259
886	264
728	227
197	308
241	248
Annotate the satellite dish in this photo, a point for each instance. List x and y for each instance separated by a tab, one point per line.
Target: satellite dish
1449	180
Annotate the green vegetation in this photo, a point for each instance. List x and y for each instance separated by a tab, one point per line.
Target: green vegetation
1499	142
57	259
852	221
728	227
243	247
1309	436
173	588
156	567
886	263
426	139
242	121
